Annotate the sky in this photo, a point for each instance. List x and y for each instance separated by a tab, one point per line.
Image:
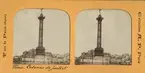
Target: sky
56	31
116	31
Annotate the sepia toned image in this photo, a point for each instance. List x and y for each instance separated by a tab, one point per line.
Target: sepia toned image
103	37
41	36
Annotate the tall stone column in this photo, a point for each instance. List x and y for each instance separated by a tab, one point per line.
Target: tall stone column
40	50
99	50
41	18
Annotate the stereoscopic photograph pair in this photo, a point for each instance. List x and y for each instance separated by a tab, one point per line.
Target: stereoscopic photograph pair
43	36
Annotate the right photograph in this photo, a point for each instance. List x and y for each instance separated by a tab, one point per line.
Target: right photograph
103	37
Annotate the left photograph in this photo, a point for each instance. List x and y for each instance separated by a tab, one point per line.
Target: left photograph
41	36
